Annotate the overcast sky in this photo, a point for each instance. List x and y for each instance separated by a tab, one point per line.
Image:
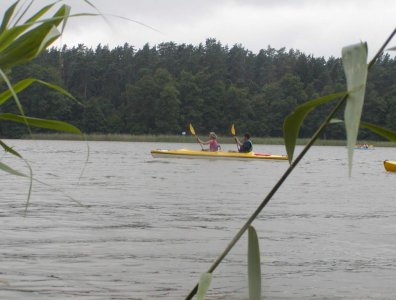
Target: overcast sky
318	27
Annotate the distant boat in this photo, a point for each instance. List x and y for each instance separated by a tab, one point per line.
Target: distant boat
364	147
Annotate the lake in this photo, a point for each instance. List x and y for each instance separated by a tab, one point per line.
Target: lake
149	227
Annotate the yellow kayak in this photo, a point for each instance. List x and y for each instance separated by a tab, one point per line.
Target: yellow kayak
390	166
186	153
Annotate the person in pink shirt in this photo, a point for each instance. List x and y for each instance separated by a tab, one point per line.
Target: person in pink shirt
212	142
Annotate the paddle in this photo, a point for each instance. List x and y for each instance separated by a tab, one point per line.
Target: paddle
233	134
193	133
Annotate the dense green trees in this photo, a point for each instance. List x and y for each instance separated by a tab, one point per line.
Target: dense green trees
160	89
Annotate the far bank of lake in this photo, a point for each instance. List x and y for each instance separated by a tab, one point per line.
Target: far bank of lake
189	139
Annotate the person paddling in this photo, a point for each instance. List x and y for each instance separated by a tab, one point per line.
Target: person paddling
246	146
212	142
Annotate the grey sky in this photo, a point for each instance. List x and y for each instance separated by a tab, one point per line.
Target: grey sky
315	27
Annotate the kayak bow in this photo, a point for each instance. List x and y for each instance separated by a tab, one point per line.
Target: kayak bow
186	153
390	166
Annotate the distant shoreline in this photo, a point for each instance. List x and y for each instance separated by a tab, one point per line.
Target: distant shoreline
188	139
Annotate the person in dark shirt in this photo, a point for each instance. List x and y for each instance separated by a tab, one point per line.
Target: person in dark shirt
247	145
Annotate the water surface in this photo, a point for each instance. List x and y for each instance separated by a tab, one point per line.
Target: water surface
151	226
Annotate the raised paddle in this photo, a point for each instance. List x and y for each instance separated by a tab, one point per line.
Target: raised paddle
193	133
233	134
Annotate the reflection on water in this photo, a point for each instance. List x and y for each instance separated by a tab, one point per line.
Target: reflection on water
153	225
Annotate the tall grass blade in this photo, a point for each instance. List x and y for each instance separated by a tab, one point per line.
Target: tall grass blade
203	286
9	36
66	17
10	170
59	89
51	36
98	11
30	186
9	149
254	268
24	11
42	123
79	203
93	6
14	94
86	160
134	21
23	84
39	14
293	122
354	59
7	17
386	133
30	44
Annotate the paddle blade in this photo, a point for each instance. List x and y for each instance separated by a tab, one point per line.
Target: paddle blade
192	129
233	129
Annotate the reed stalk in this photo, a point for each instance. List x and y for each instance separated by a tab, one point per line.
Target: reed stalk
286	174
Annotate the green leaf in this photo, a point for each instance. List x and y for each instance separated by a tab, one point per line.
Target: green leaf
9	149
23	84
354	59
31	43
39	14
292	123
10	170
42	123
26	47
22	14
8	37
7	16
57	88
51	36
18	103
254	269
67	15
203	285
384	132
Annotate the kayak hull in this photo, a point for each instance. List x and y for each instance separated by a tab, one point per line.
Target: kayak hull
390	166
186	153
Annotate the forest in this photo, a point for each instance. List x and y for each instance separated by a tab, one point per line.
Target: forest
160	89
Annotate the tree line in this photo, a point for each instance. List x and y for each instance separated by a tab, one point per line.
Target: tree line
161	89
